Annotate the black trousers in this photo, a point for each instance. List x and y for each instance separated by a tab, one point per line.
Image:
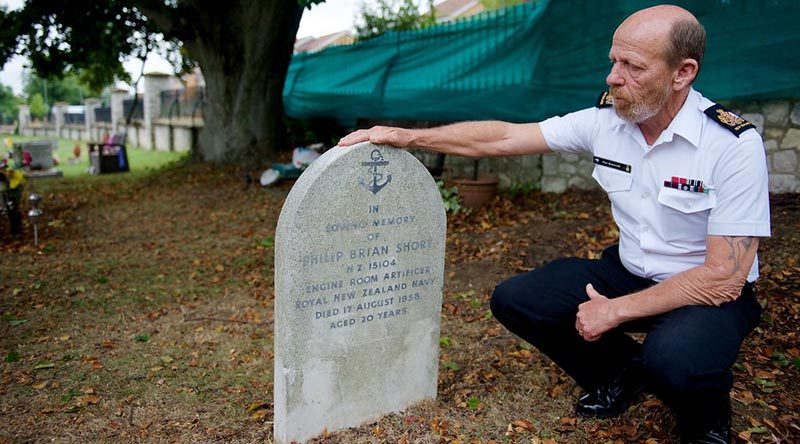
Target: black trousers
686	357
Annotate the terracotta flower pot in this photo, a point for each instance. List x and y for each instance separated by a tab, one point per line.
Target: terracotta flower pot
475	193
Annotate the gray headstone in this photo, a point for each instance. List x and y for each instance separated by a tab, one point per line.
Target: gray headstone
359	267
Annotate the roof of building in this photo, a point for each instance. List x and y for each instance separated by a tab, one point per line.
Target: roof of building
312	44
452	9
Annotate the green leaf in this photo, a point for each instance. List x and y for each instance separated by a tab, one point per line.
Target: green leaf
473	402
465	294
444	341
449	198
12	320
267	242
761	429
102	280
12	356
796	363
475	303
67	397
450	365
144	337
43	365
780	359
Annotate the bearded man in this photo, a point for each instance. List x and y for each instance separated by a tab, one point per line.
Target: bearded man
687	181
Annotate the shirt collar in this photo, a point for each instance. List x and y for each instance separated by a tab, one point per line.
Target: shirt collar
685	123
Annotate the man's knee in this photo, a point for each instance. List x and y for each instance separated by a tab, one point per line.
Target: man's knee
674	373
503	301
536	295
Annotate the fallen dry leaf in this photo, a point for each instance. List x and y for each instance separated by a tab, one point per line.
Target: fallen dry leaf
523	423
89	399
259	414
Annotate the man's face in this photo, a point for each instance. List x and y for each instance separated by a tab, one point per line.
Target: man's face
640	79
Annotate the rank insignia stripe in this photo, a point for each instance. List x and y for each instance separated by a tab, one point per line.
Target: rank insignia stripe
605	100
612	164
728	119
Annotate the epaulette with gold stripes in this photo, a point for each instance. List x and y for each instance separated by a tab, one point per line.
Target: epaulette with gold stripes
728	119
605	100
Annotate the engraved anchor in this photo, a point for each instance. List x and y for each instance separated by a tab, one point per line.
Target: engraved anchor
377	161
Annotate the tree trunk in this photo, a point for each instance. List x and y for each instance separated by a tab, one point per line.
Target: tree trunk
243	48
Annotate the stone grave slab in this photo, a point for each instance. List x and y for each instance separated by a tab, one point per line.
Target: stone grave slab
359	268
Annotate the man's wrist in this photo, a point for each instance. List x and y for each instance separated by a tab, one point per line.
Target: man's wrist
620	310
414	138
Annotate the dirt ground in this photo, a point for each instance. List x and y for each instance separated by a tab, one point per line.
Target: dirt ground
145	315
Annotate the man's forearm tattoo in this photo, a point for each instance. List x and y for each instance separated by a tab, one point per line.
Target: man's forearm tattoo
738	247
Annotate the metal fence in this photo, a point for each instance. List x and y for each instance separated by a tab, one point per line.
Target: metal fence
138	113
74	118
188	102
102	114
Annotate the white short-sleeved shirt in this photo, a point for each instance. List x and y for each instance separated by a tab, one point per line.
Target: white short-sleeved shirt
697	179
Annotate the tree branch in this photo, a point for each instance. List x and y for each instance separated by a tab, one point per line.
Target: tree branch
164	17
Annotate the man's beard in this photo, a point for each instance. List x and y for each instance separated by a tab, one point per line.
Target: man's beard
649	105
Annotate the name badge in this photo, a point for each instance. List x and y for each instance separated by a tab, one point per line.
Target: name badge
612	164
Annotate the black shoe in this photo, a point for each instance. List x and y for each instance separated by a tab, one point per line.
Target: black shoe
610	400
719	433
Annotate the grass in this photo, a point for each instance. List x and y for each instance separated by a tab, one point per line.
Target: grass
141	160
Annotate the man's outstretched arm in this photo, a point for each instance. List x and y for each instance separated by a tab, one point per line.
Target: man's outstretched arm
720	279
470	139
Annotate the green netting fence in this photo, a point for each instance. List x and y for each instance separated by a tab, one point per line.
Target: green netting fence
534	60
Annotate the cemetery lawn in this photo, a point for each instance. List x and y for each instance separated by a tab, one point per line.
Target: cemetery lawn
145	315
140	160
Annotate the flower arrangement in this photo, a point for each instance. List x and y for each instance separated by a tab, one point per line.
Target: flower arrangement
11	184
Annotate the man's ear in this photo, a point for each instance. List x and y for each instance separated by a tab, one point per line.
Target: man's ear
685	74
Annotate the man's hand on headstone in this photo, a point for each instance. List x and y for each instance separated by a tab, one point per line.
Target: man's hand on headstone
595	316
379	135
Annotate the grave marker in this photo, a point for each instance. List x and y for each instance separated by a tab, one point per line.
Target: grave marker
359	267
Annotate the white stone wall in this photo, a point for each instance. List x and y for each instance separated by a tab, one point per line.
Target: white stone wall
144	137
163	137
510	171
778	122
182	138
118	96
24	118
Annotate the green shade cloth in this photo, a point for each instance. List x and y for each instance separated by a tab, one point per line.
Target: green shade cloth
534	60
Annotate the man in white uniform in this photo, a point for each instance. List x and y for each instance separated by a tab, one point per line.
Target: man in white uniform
687	181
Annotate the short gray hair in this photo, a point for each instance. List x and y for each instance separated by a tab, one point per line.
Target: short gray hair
687	41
